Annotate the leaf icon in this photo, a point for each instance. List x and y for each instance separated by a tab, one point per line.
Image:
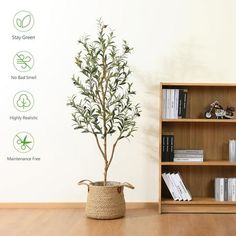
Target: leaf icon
26	21
19	22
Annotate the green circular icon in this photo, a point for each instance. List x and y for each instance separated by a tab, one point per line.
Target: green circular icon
23	142
23	21
23	101
23	61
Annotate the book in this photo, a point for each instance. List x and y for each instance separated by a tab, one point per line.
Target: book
219	189
164	101
168	103
178	186
176	103
189	151
170	188
172	103
234	189
180	103
232	150
171	155
184	110
225	189
176	159
230	185
179	155
185	190
173	186
167	146
164	151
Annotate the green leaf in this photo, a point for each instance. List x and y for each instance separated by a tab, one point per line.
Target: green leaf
26	21
85	131
103	105
112	131
19	22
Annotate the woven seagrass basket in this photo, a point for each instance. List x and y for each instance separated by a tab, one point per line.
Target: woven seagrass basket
105	202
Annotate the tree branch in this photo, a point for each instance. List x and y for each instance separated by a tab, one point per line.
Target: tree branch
99	145
113	150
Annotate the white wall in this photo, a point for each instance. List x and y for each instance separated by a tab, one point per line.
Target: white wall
178	40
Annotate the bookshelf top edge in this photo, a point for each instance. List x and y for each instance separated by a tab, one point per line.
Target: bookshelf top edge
198	120
199	84
204	163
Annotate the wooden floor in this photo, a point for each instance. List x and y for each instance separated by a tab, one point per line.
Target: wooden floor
138	222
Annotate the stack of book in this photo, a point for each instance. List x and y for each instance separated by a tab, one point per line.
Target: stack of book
188	155
174	103
168	146
225	189
175	185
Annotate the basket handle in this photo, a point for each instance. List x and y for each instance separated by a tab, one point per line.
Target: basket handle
128	185
85	182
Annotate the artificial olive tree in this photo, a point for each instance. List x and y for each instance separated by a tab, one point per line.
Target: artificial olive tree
104	105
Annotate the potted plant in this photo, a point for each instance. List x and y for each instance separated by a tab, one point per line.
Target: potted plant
104	108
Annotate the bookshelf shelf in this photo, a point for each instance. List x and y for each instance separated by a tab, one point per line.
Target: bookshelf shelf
197	201
204	163
170	84
210	135
183	120
198	205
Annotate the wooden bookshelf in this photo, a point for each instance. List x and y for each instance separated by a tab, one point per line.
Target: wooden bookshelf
196	132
